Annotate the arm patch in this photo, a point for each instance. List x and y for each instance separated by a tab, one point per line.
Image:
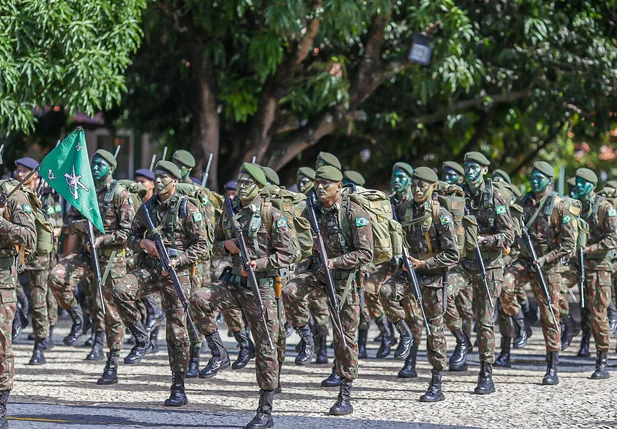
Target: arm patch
361	221
500	210
567	219
445	220
281	223
197	217
611	212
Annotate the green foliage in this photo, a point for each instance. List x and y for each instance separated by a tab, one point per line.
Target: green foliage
69	53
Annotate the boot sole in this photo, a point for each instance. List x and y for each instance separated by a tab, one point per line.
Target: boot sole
106	383
167	404
549	383
484	392
90	357
457	369
438	399
600	377
44	362
415	375
340	413
221	368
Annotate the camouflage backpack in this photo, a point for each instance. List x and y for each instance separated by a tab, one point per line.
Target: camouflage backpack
44	228
291	204
199	197
387	233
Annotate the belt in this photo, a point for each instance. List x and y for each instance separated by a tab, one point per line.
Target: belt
152	263
7	262
260	275
120	253
341	274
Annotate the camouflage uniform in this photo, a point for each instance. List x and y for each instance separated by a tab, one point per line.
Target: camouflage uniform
348	251
270	248
16	228
495	225
440	253
602	218
187	235
63	278
554	238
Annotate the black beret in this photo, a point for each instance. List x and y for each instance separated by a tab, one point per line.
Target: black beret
144	172
28	163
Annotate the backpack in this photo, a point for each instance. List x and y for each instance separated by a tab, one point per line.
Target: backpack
387	233
452	198
137	191
44	228
200	198
292	205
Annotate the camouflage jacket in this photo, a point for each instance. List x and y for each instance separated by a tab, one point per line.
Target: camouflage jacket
440	251
187	234
17	225
602	218
53	213
348	250
269	242
116	219
492	213
554	236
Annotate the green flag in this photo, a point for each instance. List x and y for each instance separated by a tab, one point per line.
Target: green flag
67	170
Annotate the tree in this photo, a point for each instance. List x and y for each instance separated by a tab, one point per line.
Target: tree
70	54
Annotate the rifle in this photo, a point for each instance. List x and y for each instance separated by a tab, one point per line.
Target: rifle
538	269
252	279
335	305
166	262
412	278
96	268
164	153
204	178
581	267
152	162
117	151
477	253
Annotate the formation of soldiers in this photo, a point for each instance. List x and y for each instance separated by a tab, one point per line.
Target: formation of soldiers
429	255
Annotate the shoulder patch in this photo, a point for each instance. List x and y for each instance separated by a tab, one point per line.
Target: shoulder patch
445	220
281	222
197	217
27	208
51	210
611	212
58	208
500	210
130	200
361	221
567	219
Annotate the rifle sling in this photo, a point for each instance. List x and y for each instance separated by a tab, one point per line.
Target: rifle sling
347	289
111	261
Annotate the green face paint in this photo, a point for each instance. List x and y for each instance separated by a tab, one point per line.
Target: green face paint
101	169
400	181
246	187
304	184
473	173
450	176
583	189
539	181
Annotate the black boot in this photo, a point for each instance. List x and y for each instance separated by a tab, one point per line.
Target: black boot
48	343
386	337
321	342
485	380
142	344
246	352
409	369
177	398
521	338
362	337
405	342
263	418
154	340
278	387
90	341
193	370
503	359
155	313
4	398
433	393
289	330
601	371
551	378
458	360
569	332
584	350
220	358
77	328
308	348
110	373
333	380
38	357
97	347
342	406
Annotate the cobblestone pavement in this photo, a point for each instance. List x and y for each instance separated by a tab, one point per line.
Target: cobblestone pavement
63	394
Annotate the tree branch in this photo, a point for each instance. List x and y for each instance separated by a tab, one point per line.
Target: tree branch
537	150
311	31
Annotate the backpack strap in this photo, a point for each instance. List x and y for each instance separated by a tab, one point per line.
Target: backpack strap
489	203
343	217
109	196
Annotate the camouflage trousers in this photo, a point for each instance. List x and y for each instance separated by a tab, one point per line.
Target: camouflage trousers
569	279
38	295
64	277
231	295
483	308
233	318
8	299
146	281
372	308
392	294
515	277
459	310
94	307
598	294
310	286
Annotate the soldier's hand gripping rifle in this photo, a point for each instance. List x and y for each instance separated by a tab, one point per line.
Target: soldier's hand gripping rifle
323	262
581	268
252	279
477	253
412	278
536	266
166	263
